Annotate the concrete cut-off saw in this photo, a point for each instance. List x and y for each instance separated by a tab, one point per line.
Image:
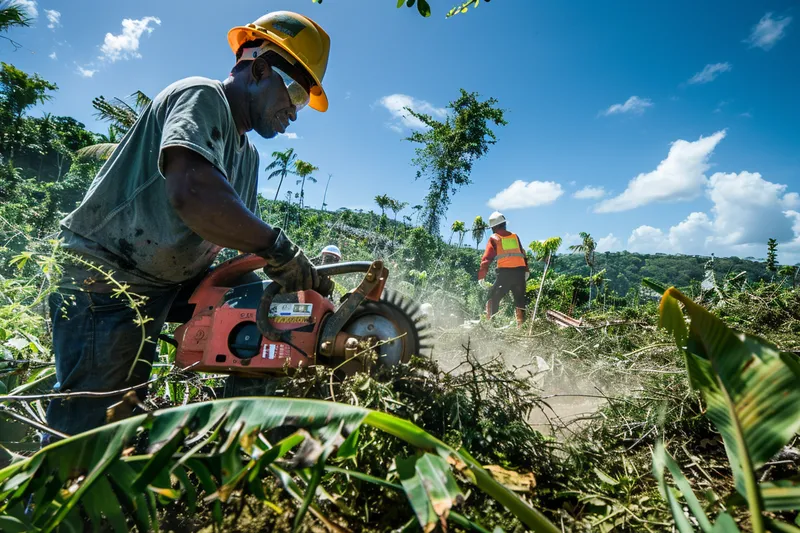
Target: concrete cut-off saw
255	330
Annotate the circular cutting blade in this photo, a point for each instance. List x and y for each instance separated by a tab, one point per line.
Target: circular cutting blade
396	323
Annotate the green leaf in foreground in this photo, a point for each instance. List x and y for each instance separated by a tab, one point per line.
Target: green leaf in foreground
59	476
751	389
430	486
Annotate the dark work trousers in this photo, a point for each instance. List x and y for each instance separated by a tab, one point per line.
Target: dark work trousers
96	339
508	279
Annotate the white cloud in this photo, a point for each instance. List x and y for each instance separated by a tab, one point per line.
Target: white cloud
53	55
290	135
589	193
647	240
721	104
86	72
396	104
746	114
570	239
53	18
709	73
691	235
29	6
634	105
609	243
526	194
681	176
747	210
126	44
768	31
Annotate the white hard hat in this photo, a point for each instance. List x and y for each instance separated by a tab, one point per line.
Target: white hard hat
496	218
333	250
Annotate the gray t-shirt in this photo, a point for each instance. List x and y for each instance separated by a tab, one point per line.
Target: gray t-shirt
125	222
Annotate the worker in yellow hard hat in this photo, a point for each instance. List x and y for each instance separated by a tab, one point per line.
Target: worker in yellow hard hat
179	187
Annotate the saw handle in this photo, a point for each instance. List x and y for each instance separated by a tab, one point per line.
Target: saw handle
262	313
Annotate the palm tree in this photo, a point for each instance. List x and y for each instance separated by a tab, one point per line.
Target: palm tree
383	202
543	251
395	206
281	167
303	170
122	117
417	209
479	228
12	15
587	248
457	227
325	195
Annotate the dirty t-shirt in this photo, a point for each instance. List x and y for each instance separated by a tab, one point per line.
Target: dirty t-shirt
125	222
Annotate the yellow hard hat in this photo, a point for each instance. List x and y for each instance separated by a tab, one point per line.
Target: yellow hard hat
300	37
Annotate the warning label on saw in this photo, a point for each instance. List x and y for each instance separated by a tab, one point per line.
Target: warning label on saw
282	313
271	351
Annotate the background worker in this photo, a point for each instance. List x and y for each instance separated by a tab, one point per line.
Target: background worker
179	187
512	268
329	256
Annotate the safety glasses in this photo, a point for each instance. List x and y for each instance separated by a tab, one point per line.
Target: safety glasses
297	94
294	78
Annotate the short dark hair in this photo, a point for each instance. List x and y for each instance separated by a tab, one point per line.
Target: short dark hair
500	226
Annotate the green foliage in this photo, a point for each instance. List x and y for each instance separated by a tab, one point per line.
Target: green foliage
281	166
122	116
90	471
479	227
772	255
18	92
450	148
424	8
12	14
626	269
303	170
463	7
751	390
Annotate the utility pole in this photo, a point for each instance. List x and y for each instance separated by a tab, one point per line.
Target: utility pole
324	196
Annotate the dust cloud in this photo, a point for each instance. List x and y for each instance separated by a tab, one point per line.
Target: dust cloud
570	394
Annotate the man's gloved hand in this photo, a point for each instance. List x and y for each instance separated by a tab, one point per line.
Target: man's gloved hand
484	284
527	274
288	266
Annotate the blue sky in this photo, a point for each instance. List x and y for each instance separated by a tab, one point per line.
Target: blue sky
681	117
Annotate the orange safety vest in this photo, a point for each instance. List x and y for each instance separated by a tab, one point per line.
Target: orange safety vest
509	254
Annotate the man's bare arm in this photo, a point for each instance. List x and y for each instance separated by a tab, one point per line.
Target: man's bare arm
208	204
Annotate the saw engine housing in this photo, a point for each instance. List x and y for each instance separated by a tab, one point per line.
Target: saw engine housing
252	329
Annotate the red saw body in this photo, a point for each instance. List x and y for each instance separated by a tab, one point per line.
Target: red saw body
253	329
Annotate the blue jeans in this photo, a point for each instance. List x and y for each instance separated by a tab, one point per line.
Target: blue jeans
95	341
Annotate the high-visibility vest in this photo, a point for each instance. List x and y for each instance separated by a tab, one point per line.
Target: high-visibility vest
509	254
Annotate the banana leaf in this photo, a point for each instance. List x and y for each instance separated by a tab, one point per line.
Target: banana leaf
137	456
751	390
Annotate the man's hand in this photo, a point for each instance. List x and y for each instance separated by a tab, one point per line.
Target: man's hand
483	284
288	266
527	274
